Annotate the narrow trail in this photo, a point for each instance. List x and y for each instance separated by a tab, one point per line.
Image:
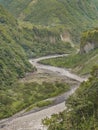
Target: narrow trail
32	121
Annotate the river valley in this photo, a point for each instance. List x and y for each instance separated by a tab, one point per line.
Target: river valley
32	120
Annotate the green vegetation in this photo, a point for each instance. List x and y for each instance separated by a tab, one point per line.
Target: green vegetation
22	95
18	42
69	16
39	41
13	60
42	29
81	62
89	37
16	39
82	108
44	103
39	105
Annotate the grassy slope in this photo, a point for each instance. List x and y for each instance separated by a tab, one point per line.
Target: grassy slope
80	64
74	16
82	108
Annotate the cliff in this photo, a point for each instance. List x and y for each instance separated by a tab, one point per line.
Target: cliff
89	41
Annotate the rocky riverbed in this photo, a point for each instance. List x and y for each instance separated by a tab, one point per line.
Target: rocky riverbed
32	120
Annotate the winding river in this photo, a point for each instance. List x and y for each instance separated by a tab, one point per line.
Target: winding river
32	121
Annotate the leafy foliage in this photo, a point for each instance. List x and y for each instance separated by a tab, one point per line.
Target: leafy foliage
15	40
79	63
39	41
39	34
74	16
82	108
91	37
23	95
13	60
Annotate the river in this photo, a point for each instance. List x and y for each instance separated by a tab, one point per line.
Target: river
32	121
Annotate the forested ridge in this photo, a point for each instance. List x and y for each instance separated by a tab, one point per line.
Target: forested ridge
70	16
13	60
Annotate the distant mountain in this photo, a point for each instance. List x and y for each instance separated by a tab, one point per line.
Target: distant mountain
74	16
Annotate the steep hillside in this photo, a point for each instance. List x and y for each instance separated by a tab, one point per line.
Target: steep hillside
13	60
82	108
74	16
40	40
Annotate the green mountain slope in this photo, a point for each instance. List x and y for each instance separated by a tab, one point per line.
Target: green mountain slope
13	60
74	16
39	41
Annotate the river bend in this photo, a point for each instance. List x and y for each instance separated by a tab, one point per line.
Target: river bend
32	121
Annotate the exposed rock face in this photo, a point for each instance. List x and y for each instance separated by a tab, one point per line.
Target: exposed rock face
65	37
89	41
89	46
